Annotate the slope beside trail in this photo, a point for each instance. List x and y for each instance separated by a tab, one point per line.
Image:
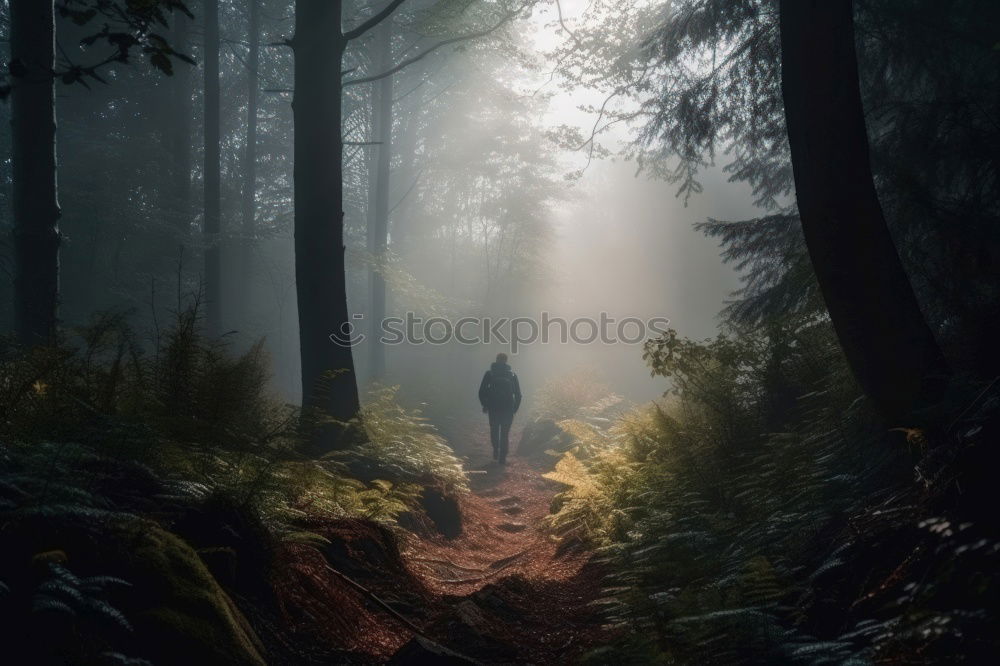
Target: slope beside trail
503	590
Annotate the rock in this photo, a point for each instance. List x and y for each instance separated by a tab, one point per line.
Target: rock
507	501
488	597
443	510
480	644
512	510
417	522
419	651
362	549
512	527
471	614
540	436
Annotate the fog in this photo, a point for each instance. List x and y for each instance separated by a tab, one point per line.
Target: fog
615	240
493	211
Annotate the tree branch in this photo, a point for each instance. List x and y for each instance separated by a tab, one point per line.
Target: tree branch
373	21
566	27
416	180
426	52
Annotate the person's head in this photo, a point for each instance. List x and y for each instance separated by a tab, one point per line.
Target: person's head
501	358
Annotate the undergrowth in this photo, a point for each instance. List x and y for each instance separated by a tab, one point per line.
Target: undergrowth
100	431
401	444
575	394
760	514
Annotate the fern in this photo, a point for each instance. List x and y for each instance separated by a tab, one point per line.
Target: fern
708	505
575	395
402	446
63	592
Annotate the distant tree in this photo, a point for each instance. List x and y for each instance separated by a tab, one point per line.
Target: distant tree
378	214
490	176
248	208
212	225
439	19
179	129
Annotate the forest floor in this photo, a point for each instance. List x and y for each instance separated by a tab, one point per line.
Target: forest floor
503	590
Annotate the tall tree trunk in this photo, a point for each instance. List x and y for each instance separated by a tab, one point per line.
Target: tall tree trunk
180	138
34	196
408	173
888	344
213	173
328	377
378	233
250	158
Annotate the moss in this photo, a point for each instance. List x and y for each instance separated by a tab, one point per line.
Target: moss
178	612
183	614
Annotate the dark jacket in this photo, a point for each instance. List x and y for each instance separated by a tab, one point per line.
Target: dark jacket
493	390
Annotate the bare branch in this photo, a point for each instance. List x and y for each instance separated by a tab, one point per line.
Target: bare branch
597	129
416	180
565	27
427	78
409	92
426	52
373	21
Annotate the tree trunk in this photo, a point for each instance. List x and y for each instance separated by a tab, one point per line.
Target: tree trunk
213	173
888	344
250	159
35	204
408	173
328	377
378	236
180	138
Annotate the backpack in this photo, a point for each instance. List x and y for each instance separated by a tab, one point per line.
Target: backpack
501	390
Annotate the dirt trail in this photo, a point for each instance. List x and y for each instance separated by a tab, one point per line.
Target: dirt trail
510	592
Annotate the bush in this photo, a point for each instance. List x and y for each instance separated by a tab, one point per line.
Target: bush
179	452
402	446
576	394
724	511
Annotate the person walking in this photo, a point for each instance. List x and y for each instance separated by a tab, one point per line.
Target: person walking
500	396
